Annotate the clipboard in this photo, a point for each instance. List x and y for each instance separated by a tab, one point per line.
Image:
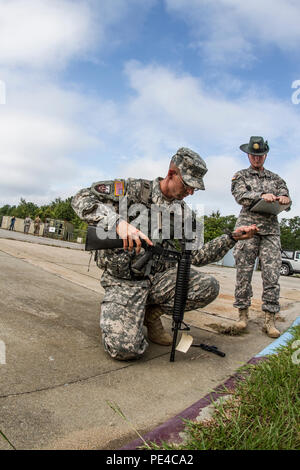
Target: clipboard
264	207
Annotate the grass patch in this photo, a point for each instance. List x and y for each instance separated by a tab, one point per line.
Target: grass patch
263	412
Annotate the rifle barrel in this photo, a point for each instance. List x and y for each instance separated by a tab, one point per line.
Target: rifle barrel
172	356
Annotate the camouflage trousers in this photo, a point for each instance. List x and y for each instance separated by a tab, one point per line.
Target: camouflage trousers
267	248
123	307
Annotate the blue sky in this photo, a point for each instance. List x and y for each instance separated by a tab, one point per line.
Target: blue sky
103	89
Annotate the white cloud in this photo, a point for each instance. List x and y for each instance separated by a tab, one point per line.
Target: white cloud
55	141
174	109
52	140
234	31
49	33
290	173
170	110
39	33
145	168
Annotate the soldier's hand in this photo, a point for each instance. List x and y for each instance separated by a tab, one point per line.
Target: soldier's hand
283	199
131	235
245	232
269	197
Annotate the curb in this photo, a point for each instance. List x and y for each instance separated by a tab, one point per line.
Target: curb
171	429
281	341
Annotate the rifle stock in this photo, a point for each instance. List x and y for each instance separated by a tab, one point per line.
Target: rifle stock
94	242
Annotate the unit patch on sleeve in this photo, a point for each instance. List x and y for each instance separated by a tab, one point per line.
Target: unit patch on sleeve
103	188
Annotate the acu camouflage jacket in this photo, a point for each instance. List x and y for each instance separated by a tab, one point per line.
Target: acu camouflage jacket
99	205
247	186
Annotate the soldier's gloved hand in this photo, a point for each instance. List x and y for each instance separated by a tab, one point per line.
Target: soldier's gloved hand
269	197
283	199
131	234
245	232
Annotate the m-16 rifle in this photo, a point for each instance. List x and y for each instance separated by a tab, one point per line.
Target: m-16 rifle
93	242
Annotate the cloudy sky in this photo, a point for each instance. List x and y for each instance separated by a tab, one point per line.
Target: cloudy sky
102	89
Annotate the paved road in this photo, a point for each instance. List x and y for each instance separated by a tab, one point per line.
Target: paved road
57	380
12	235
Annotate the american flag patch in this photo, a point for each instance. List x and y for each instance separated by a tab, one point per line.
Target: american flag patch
119	188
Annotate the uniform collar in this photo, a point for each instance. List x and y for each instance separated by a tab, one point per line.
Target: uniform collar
256	172
157	195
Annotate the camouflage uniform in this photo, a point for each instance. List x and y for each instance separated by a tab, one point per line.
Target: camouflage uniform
127	292
27	223
247	186
37	223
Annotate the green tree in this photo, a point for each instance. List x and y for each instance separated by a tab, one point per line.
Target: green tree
290	233
62	209
57	209
215	225
5	210
26	208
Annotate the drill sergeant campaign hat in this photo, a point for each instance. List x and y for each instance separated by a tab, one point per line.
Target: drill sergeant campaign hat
192	167
256	146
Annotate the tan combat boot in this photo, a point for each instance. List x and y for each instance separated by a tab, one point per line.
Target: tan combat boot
156	332
243	319
269	326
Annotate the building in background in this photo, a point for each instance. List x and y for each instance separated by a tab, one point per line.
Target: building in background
55	228
229	261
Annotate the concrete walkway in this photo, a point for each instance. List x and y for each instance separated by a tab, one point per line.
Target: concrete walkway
13	235
56	379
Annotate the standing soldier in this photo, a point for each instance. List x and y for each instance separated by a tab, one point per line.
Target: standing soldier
46	228
248	186
136	298
12	223
27	223
37	223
